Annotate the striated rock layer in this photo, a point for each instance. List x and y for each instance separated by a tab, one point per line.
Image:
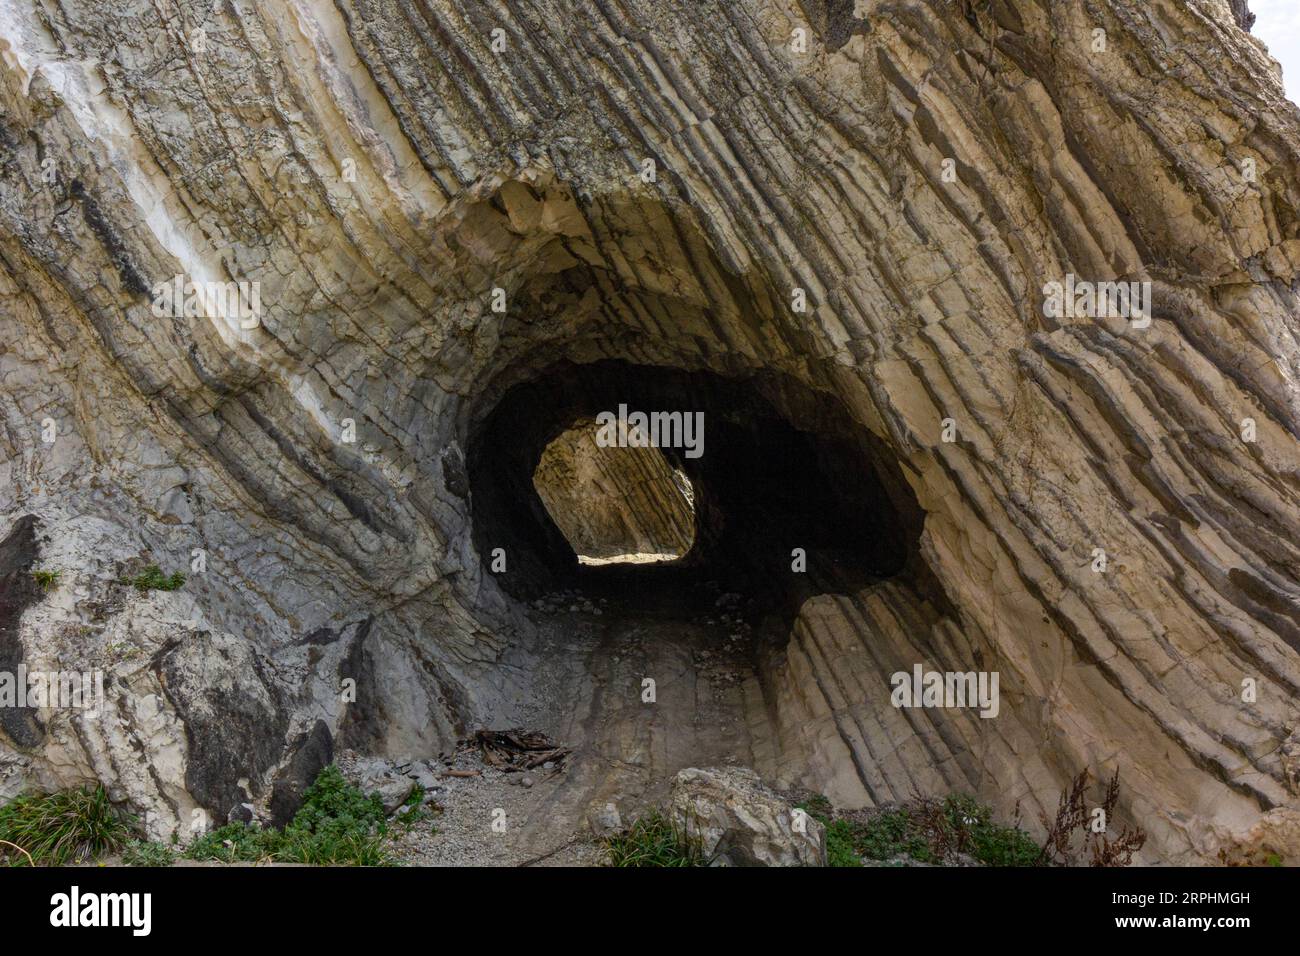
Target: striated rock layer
616	500
829	204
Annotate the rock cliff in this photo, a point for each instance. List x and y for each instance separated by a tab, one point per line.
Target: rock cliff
462	226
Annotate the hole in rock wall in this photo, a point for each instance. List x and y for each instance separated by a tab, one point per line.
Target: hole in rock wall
791	496
714	658
614	495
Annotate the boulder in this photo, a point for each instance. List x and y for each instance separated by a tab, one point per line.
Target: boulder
424	775
378	776
742	822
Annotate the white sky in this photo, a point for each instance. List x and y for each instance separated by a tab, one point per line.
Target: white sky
1277	23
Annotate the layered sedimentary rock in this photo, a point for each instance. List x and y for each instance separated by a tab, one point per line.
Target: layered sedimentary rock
614	500
829	204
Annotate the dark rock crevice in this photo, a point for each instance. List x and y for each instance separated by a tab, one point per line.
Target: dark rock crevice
18	591
1241	12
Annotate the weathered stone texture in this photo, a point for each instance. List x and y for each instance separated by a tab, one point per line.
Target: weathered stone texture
612	501
379	169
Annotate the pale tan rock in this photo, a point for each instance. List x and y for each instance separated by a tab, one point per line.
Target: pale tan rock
614	501
735	820
381	172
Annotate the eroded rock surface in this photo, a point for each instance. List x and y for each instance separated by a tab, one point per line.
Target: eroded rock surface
614	501
738	821
856	235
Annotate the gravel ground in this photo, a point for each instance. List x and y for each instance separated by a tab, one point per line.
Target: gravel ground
493	820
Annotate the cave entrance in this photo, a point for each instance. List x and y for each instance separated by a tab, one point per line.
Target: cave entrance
791	496
614	496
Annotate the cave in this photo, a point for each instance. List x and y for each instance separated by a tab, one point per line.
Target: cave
800	515
787	502
656	356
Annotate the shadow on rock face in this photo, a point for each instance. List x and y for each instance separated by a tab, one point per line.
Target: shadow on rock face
18	591
312	752
235	724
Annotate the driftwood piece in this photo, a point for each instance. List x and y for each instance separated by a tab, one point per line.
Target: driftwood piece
518	749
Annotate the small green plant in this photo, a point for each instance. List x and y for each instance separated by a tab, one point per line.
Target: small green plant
925	830
972	830
152	579
890	834
840	844
147	853
47	579
412	811
235	843
122	651
337	824
70	826
654	840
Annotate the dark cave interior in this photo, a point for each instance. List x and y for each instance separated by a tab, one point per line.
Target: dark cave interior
770	480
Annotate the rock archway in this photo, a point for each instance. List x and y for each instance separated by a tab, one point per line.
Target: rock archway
851	240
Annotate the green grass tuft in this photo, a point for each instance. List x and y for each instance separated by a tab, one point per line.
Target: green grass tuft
653	840
70	826
152	579
47	579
